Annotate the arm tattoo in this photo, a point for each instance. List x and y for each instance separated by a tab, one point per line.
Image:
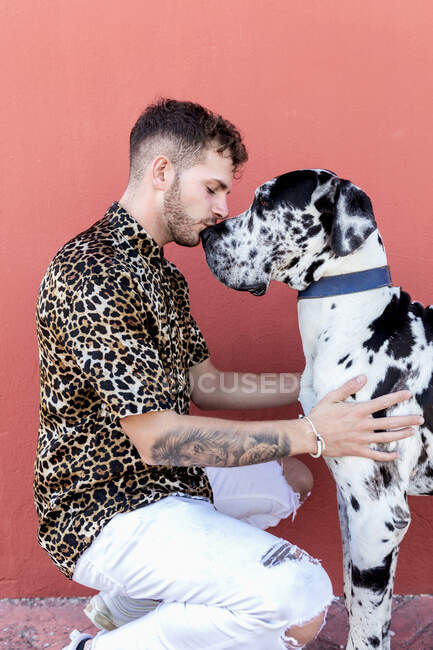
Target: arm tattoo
218	448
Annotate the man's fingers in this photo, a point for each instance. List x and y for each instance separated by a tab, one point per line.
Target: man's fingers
346	390
364	449
390	436
394	422
374	454
386	401
381	456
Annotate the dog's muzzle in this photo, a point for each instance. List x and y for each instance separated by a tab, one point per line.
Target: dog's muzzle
205	234
209	237
212	232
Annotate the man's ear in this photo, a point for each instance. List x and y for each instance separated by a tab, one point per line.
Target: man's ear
354	219
162	172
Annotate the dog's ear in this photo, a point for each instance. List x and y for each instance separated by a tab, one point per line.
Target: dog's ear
354	219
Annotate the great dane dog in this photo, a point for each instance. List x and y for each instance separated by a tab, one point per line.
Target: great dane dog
302	227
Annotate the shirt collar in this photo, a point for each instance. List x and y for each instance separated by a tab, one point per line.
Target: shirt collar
128	231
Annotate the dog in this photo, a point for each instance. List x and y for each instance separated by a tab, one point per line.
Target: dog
310	227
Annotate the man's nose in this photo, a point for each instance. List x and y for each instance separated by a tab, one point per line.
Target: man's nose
221	211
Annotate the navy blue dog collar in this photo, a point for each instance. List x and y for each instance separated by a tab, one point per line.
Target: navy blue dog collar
337	285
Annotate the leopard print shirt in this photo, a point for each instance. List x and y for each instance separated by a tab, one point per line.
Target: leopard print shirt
116	338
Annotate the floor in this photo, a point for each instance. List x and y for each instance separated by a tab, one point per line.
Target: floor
46	623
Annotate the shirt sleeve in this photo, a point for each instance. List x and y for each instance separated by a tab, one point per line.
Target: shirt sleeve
107	334
197	348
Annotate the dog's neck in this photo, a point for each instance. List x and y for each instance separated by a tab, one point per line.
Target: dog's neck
371	254
345	314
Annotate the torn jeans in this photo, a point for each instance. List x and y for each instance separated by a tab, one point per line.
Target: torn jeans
222	582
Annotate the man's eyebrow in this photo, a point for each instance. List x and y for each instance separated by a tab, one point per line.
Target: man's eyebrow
222	185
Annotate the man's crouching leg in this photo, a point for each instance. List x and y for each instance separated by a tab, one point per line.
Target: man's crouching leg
313	596
222	582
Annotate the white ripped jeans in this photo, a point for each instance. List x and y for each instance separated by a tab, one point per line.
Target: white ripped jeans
223	582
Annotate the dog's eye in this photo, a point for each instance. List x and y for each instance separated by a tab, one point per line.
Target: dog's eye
263	203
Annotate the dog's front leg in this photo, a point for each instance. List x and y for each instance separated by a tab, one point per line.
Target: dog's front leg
344	526
374	523
370	608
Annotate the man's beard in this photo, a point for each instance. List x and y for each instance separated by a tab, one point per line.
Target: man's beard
178	223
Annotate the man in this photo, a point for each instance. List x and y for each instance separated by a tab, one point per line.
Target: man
125	479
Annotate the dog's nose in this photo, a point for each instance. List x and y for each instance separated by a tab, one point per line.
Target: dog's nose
205	234
215	232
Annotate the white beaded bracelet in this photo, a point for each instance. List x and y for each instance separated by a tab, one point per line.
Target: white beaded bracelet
320	442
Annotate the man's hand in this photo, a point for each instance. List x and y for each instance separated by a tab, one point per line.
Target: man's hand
348	428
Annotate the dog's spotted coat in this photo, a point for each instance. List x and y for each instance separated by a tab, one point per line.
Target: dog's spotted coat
300	227
116	338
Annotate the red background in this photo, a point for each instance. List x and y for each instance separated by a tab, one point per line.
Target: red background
341	85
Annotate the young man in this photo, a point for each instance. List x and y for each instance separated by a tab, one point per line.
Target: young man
135	497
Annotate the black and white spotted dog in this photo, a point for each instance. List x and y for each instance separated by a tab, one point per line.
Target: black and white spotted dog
302	227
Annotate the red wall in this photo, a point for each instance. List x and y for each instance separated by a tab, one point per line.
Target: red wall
341	85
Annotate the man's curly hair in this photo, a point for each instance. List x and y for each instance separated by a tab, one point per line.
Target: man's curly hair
182	131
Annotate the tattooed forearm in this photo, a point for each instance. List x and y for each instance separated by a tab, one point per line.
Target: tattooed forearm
218	448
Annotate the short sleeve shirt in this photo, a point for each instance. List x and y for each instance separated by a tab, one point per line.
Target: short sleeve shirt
116	338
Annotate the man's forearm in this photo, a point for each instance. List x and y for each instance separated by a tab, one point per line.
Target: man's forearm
246	390
345	428
184	440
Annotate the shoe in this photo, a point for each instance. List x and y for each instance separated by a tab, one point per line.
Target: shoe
110	612
76	637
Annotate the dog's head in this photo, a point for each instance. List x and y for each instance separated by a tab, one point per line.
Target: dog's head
296	223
